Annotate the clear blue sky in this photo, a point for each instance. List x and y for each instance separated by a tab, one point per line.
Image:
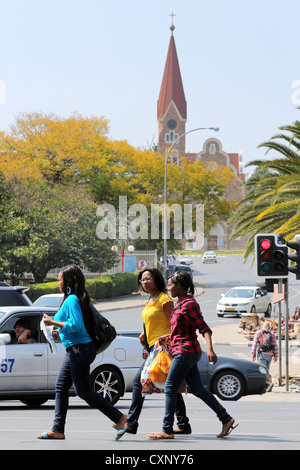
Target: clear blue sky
239	62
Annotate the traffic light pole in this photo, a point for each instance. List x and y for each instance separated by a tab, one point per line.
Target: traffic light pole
287	335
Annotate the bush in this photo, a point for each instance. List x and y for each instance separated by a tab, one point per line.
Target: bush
106	286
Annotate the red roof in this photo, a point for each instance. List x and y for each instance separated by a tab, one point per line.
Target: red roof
171	87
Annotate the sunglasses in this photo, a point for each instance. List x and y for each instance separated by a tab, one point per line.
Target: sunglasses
147	279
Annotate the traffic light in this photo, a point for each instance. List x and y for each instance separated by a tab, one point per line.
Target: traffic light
295	245
271	256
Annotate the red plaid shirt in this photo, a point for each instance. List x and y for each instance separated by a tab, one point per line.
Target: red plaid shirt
185	320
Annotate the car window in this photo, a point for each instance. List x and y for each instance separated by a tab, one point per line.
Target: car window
240	293
11	298
19	323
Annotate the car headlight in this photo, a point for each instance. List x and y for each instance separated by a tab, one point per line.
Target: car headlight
262	370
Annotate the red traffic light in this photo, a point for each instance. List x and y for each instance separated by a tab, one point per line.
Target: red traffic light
265	244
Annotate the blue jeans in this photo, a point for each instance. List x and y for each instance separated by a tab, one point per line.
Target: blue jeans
75	369
137	402
265	359
184	367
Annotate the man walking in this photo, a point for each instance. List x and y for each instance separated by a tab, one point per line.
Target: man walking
265	345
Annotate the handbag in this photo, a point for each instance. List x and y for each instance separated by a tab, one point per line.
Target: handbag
102	331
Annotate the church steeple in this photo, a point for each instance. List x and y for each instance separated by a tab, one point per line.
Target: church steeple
171	105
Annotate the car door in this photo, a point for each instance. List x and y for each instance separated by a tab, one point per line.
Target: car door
23	366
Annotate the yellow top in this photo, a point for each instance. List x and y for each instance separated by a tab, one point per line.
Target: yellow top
155	318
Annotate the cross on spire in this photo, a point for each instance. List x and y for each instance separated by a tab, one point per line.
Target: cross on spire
172	27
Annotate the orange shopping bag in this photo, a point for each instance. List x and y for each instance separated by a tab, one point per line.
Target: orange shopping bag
160	366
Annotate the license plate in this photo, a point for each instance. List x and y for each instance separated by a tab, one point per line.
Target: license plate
229	309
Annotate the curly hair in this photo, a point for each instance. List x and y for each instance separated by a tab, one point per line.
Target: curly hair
157	277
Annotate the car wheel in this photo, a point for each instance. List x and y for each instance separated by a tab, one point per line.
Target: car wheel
34	401
253	309
107	381
228	385
269	311
220	314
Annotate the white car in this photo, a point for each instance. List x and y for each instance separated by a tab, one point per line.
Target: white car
28	371
184	260
49	300
245	299
209	257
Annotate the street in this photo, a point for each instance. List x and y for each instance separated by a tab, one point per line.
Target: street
268	422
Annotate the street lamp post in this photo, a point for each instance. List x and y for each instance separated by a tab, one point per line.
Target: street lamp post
216	129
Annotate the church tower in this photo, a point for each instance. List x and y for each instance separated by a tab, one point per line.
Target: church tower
171	106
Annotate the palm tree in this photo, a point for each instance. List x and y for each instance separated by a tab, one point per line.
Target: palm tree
272	203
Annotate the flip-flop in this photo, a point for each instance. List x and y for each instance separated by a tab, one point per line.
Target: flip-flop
228	430
121	432
160	435
45	435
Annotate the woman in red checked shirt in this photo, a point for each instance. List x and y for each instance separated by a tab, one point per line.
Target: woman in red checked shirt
186	319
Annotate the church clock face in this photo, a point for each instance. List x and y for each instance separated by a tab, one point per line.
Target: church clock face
172	124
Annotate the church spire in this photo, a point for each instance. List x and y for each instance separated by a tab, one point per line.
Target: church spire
171	105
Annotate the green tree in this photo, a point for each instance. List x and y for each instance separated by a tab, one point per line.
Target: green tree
272	203
47	227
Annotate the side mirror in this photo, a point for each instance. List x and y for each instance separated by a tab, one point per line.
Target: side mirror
5	338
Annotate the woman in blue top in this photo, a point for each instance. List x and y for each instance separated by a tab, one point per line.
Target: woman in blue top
73	319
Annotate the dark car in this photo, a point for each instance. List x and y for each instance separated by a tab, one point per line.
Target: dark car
13	296
231	378
183	267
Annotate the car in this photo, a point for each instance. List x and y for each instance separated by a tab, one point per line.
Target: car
244	300
49	300
232	378
209	257
28	371
182	267
13	295
185	260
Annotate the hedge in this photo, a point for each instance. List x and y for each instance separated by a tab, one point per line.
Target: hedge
106	286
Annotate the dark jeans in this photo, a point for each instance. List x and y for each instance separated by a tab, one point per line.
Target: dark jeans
184	367
138	400
75	369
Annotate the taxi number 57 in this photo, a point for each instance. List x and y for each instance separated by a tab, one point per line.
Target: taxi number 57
6	365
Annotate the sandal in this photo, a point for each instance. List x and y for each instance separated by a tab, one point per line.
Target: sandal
160	435
228	428
45	435
128	428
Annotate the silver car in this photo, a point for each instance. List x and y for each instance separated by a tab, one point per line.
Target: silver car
28	371
245	299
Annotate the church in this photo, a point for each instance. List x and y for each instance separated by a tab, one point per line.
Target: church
172	119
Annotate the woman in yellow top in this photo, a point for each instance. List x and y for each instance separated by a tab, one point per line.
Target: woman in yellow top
156	317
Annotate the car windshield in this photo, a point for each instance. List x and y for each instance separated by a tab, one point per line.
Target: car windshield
2	313
48	302
240	293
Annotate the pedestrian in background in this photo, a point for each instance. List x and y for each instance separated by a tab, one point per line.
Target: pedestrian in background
265	346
